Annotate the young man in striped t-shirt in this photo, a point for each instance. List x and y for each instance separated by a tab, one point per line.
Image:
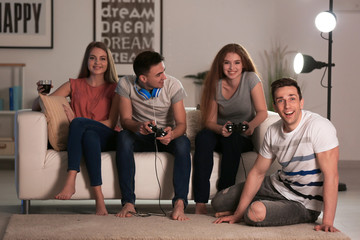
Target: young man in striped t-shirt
306	146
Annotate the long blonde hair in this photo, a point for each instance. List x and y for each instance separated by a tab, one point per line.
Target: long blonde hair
216	73
110	74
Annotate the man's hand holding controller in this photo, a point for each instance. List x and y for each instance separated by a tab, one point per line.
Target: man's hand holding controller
159	132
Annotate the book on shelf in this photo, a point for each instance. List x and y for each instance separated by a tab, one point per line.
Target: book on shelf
11	99
15	98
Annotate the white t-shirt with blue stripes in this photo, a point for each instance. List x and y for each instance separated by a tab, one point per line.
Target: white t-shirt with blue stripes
300	179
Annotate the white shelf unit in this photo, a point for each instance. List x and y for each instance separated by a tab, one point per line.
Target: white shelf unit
17	70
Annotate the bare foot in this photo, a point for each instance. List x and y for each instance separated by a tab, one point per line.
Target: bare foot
178	212
127	210
101	208
222	214
69	188
200	208
66	193
100	202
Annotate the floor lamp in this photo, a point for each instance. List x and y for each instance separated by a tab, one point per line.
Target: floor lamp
325	22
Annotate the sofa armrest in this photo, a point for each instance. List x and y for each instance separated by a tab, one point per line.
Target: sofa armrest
31	142
259	133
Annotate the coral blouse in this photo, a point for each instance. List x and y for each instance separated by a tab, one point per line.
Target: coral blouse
91	102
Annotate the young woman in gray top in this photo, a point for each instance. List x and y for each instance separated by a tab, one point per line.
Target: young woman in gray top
233	93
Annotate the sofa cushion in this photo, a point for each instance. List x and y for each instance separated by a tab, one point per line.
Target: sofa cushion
58	123
193	121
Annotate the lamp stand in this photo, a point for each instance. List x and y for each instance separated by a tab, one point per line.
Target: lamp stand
342	186
329	68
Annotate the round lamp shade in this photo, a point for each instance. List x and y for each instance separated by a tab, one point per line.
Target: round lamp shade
325	22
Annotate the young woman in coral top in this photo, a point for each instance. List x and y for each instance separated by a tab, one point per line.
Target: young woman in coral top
93	118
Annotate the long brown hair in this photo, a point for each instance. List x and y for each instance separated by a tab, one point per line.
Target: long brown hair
216	73
110	74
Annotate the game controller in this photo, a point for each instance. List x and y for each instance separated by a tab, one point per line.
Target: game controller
159	132
236	127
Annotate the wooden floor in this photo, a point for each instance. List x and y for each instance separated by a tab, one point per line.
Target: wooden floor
347	216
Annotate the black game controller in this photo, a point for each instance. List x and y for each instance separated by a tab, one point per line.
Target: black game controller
159	132
236	127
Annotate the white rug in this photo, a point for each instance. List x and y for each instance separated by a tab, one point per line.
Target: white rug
86	226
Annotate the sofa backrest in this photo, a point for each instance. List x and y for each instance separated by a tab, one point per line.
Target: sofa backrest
259	133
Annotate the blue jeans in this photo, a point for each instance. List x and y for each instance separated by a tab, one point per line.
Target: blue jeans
279	210
89	138
206	142
129	142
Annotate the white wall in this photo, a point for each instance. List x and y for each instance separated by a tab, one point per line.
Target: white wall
194	30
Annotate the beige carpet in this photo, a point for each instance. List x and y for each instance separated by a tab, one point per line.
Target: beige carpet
86	226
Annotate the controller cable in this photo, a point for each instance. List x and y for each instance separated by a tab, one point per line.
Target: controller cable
156	157
157	178
139	214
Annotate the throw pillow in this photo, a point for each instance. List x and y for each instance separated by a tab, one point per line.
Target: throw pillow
193	120
58	123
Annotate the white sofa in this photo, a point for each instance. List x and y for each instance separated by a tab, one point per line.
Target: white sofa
40	172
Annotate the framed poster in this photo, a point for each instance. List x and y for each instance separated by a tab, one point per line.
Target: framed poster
26	24
128	28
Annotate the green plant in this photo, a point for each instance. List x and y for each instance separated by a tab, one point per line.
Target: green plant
199	77
277	67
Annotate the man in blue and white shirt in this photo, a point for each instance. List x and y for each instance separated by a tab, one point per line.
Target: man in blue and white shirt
306	146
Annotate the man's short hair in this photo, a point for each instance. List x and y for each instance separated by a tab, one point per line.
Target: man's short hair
145	60
284	82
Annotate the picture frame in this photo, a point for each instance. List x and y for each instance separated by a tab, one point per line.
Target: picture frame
27	24
128	28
